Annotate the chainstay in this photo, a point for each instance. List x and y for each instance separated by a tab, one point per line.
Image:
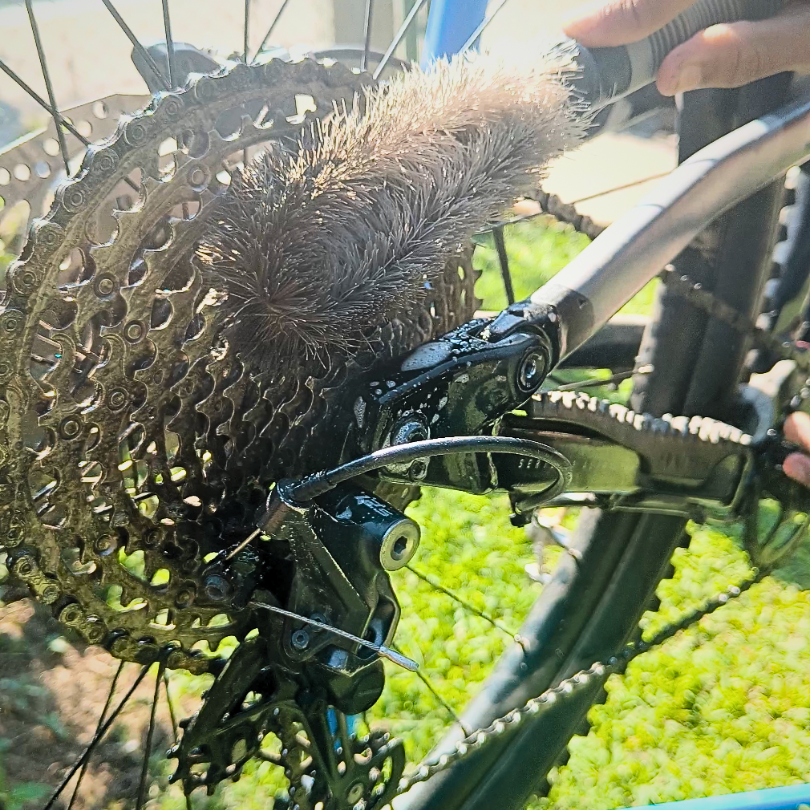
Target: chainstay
568	688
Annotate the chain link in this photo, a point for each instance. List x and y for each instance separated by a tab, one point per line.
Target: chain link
694	292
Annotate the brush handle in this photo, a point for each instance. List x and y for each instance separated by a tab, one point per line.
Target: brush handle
607	74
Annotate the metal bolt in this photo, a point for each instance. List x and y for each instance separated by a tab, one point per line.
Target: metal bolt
117	398
399	544
409	429
70	428
197	177
300	639
105	286
419	469
318	617
216	588
531	370
413	430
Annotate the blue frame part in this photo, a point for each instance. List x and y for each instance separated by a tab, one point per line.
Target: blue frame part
450	24
781	798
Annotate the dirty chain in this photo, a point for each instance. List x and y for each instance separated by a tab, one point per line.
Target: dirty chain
585	680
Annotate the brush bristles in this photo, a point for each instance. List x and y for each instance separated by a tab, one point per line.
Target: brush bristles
316	247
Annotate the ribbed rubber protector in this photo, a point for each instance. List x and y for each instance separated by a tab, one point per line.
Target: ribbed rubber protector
703	14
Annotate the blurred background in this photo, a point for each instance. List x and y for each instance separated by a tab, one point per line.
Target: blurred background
88	57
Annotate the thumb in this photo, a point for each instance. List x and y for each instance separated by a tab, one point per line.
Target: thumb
735	54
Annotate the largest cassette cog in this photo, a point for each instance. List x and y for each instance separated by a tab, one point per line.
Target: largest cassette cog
133	441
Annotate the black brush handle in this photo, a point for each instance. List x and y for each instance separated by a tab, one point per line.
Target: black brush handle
607	74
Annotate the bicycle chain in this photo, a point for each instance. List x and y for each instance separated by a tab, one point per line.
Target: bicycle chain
569	687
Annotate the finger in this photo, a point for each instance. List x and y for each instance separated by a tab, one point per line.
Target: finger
797	467
797	429
623	21
735	54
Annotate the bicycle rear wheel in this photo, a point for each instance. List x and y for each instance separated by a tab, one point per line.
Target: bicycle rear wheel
572	616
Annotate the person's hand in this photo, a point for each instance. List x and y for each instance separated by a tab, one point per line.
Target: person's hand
797	430
720	56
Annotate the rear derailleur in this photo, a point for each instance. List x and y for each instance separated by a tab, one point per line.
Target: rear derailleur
324	611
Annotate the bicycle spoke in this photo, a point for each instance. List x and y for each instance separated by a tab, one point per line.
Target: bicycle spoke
474	37
150	733
403	29
505	223
466	605
103	714
633	184
272	28
96	740
136	43
167	28
43	64
445	705
246	32
245	46
170	705
612	380
367	34
503	261
175	726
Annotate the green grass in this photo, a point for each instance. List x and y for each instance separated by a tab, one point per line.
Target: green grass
723	707
537	249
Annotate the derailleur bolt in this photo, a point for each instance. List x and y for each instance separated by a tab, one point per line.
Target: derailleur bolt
530	371
300	639
216	588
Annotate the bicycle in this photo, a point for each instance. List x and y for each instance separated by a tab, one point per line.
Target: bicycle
313	606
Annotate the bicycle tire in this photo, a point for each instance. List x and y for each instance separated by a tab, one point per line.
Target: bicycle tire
593	604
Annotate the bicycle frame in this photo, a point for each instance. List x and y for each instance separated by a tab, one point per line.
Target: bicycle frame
450	24
610	271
